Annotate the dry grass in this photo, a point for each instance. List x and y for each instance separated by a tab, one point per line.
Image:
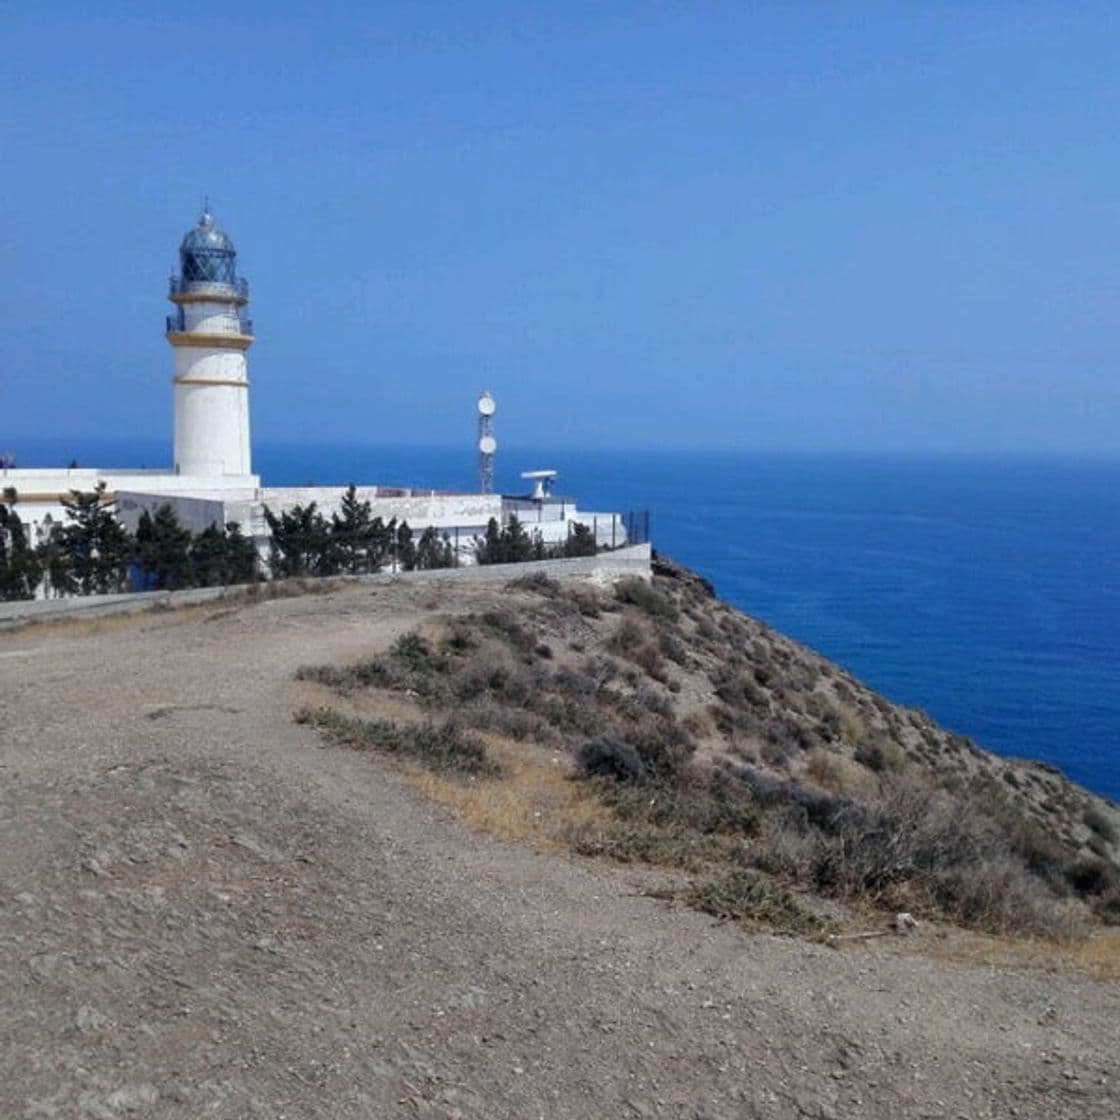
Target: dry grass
1096	956
536	802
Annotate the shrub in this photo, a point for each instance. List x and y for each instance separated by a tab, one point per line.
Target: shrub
879	754
742	896
641	594
504	624
585	599
611	758
1091	876
1096	820
516	723
416	656
705	805
998	896
346	679
635	842
443	746
537	582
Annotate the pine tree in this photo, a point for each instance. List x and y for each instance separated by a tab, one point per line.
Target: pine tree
518	544
21	569
382	538
92	548
222	557
241	556
352	534
433	550
208	558
488	550
581	541
161	549
300	543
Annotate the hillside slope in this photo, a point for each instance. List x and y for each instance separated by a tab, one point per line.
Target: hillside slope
207	913
720	745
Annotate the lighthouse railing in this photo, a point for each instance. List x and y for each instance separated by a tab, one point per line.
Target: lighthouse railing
239	289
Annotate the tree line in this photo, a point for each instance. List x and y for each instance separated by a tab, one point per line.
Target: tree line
92	553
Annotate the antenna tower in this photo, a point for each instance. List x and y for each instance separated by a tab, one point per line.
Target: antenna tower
487	444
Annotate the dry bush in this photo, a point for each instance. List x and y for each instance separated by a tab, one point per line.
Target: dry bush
494	670
643	595
443	746
707	804
514	723
585	599
538	582
698	723
612	758
633	639
837	773
1096	821
741	896
852	728
880	754
999	896
505	625
653	699
635	842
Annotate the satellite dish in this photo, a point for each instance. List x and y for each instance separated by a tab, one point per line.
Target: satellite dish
488	445
486	405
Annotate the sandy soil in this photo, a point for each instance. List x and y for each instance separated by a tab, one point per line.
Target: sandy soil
203	912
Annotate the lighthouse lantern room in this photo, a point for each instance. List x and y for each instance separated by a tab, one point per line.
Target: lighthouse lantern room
210	334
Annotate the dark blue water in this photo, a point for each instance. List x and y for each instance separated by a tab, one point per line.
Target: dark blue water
986	591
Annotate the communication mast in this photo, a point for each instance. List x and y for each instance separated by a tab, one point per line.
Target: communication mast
487	444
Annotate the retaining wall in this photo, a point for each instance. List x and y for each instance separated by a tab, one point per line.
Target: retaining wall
604	568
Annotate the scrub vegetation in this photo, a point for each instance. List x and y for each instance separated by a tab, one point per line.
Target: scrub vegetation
694	738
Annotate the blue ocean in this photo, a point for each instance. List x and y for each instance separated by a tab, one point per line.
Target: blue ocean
983	590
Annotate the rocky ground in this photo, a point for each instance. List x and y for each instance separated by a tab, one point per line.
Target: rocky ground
204	912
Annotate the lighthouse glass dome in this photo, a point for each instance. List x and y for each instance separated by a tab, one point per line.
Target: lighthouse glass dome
207	259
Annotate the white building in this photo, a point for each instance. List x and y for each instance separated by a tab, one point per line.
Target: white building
211	482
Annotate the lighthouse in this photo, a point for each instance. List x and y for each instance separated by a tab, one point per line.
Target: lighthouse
210	334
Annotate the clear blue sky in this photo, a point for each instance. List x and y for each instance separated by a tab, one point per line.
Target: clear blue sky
798	226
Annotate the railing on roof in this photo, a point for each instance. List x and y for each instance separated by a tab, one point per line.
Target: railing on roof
177	324
239	289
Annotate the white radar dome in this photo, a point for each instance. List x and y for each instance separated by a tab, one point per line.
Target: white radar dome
488	445
486	405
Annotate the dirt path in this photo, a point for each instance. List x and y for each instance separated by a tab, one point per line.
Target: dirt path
203	913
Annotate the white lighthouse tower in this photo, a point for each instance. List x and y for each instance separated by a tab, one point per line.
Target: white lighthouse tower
210	334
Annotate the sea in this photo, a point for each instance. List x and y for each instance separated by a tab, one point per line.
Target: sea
982	589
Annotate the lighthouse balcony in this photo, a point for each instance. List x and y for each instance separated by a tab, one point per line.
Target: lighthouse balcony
226	324
237	289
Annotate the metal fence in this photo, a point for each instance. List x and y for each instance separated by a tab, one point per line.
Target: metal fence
636	524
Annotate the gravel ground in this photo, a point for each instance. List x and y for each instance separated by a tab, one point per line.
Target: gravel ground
205	913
